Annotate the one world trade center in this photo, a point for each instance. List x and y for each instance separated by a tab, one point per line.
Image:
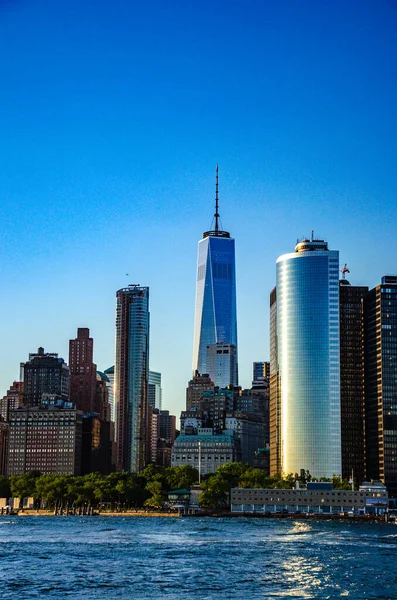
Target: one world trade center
215	317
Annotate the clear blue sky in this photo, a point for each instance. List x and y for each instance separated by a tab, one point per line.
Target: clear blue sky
113	116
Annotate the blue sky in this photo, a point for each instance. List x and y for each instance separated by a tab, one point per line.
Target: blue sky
113	116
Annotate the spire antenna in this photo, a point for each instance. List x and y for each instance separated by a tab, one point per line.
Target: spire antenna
216	215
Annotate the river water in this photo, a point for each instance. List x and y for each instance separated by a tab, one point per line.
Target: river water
195	558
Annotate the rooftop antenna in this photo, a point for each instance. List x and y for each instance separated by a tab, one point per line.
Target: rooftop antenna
344	271
216	215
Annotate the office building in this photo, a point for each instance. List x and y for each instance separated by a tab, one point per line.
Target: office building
154	390
249	433
215	314
222	364
307	361
275	397
131	376
196	388
215	405
352	379
82	387
259	370
44	373
45	438
167	426
380	346
205	451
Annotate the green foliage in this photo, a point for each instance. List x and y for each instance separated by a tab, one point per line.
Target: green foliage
24	486
215	492
180	477
128	490
5	488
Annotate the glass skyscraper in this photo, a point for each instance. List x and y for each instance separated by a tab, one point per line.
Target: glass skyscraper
307	361
131	375
215	317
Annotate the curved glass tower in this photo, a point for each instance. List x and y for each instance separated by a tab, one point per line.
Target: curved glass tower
308	360
215	317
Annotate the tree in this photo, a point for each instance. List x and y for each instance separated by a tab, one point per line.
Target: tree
180	477
24	486
215	491
5	489
252	478
156	498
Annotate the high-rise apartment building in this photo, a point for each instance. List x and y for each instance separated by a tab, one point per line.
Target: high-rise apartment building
44	373
380	343
82	387
307	361
154	390
215	315
352	379
222	364
45	438
196	388
131	377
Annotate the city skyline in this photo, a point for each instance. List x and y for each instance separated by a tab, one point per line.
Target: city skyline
109	145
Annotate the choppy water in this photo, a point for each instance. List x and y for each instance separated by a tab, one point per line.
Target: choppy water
195	558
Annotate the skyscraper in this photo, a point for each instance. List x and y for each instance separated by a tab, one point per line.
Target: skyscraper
82	371
215	316
307	360
352	379
380	341
131	377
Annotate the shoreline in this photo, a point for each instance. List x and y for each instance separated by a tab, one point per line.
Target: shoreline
228	515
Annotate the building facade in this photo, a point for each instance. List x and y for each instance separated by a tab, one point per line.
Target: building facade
308	360
380	345
45	438
275	397
352	379
196	388
215	314
131	377
222	364
44	373
318	499
13	399
4	441
259	370
110	384
82	386
205	451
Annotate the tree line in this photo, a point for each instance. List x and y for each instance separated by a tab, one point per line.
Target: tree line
148	489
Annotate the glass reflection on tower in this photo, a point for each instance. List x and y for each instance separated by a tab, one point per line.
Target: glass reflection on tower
308	359
215	317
